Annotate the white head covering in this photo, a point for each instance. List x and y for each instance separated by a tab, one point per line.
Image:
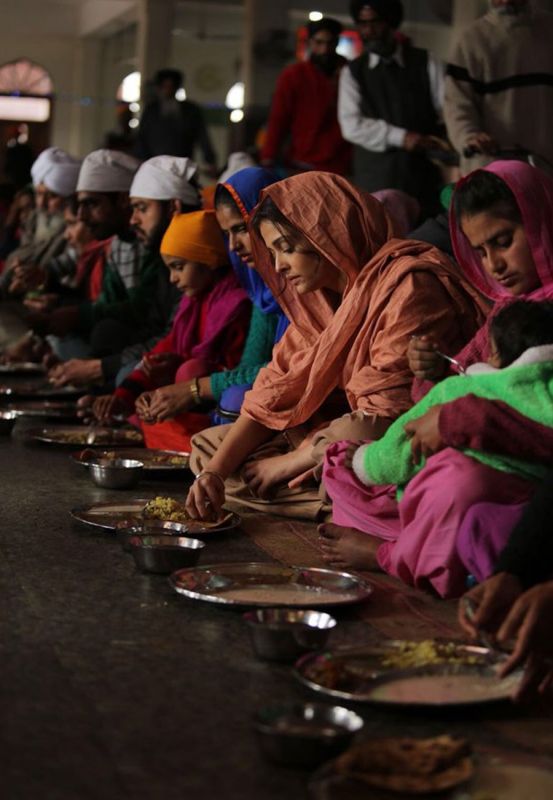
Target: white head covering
107	171
166	178
47	159
236	162
61	178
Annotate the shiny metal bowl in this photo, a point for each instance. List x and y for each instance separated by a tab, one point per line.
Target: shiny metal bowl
165	554
305	734
7	421
150	527
117	473
283	634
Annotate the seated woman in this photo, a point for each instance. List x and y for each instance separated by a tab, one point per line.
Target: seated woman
234	200
502	237
354	295
421	530
207	335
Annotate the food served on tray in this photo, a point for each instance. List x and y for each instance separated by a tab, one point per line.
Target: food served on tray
290	594
413	766
89	436
347	671
174	459
163	460
445	685
169	509
422	654
260	584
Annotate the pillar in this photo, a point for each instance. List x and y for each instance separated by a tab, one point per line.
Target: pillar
155	25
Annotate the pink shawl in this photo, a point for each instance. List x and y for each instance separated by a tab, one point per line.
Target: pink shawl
533	191
226	303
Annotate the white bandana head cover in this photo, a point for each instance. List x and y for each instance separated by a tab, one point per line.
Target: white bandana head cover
166	178
236	162
107	171
46	160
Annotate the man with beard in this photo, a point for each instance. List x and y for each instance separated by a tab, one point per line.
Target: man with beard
499	85
388	106
162	187
304	108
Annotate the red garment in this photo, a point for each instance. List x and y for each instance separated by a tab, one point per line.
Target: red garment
478	424
305	106
90	268
211	328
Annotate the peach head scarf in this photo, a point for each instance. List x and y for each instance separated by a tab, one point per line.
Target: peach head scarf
362	346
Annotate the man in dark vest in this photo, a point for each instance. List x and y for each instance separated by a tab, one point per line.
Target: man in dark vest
389	104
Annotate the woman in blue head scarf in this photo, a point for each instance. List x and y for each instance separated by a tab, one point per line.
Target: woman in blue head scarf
234	200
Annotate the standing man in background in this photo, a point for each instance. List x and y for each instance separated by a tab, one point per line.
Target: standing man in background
171	127
304	108
499	84
389	106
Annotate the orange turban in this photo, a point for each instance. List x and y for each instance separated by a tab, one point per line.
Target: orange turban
195	237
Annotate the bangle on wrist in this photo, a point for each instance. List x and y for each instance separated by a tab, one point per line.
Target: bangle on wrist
195	392
212	472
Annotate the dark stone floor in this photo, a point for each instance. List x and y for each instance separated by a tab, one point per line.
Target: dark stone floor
112	685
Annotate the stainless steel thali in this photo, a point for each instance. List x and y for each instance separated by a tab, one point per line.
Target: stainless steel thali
253	584
361	674
22	368
153	460
115	515
75	435
64	409
41	388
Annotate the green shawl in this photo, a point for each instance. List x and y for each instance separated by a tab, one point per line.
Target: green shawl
528	389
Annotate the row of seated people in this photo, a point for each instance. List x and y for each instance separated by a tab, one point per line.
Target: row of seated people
399	396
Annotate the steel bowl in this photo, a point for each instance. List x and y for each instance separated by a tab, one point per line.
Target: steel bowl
305	734
7	421
283	634
164	554
150	527
117	473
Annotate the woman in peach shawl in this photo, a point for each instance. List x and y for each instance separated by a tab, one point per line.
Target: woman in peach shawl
354	295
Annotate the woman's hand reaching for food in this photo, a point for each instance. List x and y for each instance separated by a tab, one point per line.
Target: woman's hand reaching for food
424	361
166	402
529	624
492	600
206	496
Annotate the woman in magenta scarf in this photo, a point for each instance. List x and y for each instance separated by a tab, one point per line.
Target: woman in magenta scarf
502	232
208	332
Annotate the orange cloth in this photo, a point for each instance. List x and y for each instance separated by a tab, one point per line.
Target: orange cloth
175	434
195	236
395	289
208	196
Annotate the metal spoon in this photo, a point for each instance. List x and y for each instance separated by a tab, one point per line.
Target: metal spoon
460	368
483	638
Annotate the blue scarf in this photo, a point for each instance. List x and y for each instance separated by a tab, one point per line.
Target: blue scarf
247	185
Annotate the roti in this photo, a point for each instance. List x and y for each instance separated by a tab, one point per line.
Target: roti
415	766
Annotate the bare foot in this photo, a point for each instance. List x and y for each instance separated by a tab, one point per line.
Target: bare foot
348	547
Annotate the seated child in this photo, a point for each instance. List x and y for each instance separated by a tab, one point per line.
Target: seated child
420	514
207	335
